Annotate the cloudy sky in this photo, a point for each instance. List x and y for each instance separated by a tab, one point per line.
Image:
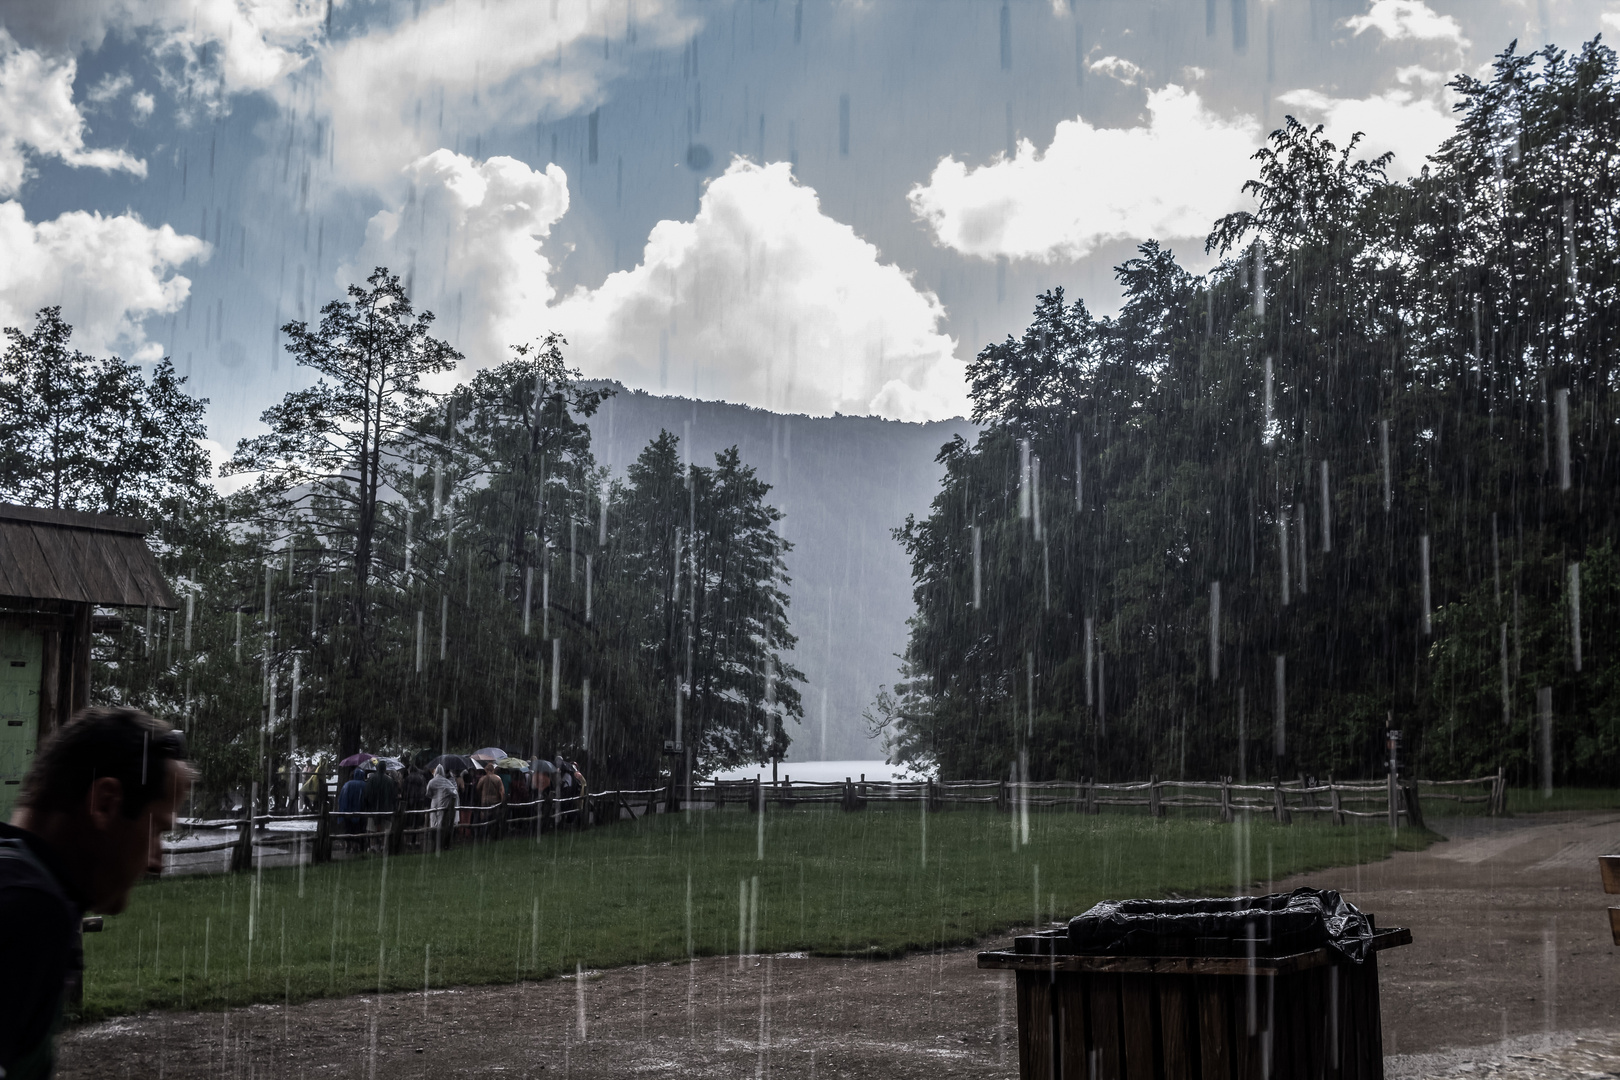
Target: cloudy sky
807	205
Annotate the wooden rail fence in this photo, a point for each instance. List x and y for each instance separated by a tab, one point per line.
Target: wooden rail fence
1282	799
393	832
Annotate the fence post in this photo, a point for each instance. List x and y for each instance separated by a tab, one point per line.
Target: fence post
1226	799
323	831
447	827
1091	797
395	843
1394	811
756	797
1338	807
242	853
1279	805
1154	809
1499	793
1414	809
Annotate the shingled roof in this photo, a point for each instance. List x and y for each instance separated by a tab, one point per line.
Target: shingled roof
78	557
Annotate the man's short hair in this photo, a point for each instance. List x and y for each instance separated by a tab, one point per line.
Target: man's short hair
125	744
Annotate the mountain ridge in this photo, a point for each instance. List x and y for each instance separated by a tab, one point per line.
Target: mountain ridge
842	483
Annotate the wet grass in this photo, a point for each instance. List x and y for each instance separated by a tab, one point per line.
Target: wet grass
832	883
1531	800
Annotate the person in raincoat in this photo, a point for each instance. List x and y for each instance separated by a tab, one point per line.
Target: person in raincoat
312	789
351	802
442	791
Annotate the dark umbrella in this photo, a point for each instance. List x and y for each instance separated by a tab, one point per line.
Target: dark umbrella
354	761
453	763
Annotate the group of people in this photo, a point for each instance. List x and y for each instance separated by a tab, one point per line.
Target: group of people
373	791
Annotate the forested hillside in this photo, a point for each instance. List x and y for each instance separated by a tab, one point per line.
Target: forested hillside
842	484
1362	474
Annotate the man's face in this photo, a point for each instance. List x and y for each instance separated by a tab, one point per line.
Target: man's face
130	847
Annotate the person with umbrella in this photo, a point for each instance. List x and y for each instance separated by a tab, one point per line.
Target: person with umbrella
351	801
491	792
415	789
381	794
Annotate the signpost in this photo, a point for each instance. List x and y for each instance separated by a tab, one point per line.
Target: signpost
1392	741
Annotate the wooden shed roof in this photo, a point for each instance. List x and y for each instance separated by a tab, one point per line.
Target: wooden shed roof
78	557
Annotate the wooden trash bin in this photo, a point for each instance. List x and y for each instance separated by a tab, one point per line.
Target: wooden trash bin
1302	1016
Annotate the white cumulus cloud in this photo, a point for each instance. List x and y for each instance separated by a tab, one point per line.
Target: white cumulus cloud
107	273
1410	20
37	114
207	48
1116	67
467	240
1411	120
394	94
765	300
762	298
1170	178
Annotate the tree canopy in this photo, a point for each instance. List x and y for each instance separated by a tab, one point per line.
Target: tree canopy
1358	476
79	432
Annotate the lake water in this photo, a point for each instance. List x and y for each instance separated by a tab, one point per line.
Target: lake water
819	771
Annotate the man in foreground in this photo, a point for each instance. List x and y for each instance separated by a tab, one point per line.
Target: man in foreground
89	823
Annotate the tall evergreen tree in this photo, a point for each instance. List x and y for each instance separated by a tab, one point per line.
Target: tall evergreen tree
1355	476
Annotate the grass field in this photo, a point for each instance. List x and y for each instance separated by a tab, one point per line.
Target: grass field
1531	800
879	882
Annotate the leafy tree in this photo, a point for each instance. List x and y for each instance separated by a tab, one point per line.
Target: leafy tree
1260	515
332	450
87	433
700	544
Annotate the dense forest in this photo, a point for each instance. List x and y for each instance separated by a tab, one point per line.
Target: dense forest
1361	475
409	570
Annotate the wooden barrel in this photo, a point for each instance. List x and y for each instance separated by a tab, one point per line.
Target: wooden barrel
1308	1015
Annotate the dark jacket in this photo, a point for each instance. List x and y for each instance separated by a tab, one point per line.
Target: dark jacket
40	917
352	796
416	790
381	792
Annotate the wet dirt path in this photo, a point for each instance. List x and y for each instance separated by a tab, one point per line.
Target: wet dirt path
1511	940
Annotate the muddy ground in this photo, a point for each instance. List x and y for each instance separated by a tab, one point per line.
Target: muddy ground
1511	974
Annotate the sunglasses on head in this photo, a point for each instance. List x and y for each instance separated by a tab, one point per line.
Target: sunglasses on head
170	744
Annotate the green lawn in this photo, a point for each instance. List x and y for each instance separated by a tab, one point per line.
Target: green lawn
830	882
1531	800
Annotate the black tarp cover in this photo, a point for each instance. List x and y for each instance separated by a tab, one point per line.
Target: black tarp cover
1282	922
